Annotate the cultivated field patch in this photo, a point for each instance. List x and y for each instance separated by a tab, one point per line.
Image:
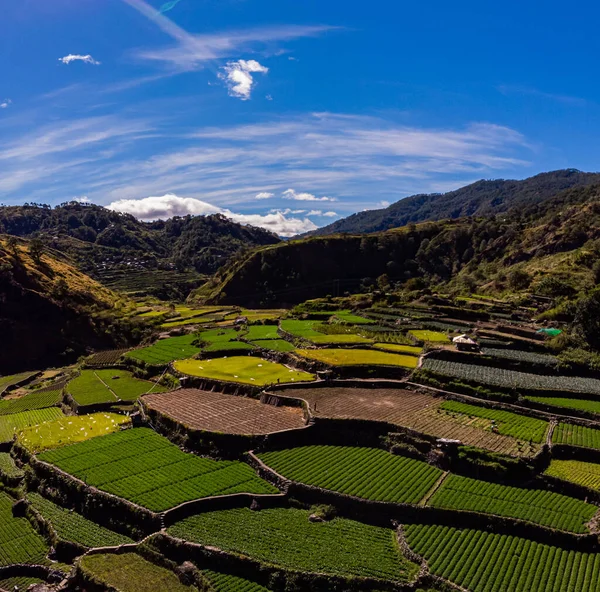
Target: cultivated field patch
567	403
31	401
576	435
430	336
10	425
358	357
166	350
576	471
7	381
399	348
518	355
216	412
484	562
242	369
227	583
309	330
535	505
145	468
278	345
287	538
369	473
8	468
106	358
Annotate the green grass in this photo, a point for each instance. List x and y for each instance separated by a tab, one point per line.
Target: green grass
166	350
31	401
358	357
576	435
72	527
369	473
286	537
19	543
8	468
538	506
145	468
508	424
349	317
21	583
576	471
227	583
129	572
484	562
566	403
242	369
8	381
279	345
260	332
399	349
69	430
308	330
430	336
94	387
10	425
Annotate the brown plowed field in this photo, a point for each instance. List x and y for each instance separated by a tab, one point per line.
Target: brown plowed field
216	412
408	409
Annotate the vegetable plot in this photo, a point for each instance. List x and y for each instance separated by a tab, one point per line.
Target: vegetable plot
358	357
166	350
12	424
521	356
580	404
369	473
578	472
576	435
227	583
34	400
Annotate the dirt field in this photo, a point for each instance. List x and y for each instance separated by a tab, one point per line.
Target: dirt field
408	409
216	412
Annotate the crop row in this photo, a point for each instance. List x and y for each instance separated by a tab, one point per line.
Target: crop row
576	435
70	526
8	381
484	562
368	473
19	543
581	473
506	423
567	403
287	538
511	378
227	583
14	423
166	350
145	468
521	356
359	357
534	505
31	401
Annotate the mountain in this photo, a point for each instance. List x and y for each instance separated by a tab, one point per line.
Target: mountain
550	248
127	254
50	312
483	198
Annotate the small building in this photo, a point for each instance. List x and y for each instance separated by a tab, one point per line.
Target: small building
465	343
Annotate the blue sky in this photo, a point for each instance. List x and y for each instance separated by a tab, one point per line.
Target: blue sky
288	114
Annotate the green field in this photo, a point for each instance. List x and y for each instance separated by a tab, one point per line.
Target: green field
30	402
279	345
576	435
566	403
166	350
518	426
259	332
145	468
8	468
8	381
347	316
542	507
19	543
227	583
287	538
129	572
520	356
72	527
94	387
399	349
484	562
369	473
70	430
242	369
430	336
576	471
358	357
10	425
308	330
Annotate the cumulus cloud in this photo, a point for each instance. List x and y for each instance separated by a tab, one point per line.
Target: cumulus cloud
238	77
169	205
86	59
322	213
5	104
264	195
293	194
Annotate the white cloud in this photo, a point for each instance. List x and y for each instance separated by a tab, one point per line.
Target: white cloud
84	199
86	59
292	194
384	203
5	104
238	77
322	213
264	195
169	205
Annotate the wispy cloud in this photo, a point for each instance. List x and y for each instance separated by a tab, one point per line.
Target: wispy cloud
5	104
238	77
86	59
507	89
264	195
303	196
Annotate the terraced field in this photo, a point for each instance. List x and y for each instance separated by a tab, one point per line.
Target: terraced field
278	345
227	583
34	400
511	378
369	473
8	468
538	506
145	468
430	336
287	538
399	349
567	403
216	412
8	381
518	355
576	435
484	562
242	369
70	526
358	357
166	350
308	330
576	471
10	425
106	358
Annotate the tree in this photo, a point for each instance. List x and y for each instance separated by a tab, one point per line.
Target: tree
587	317
36	249
12	244
519	279
383	282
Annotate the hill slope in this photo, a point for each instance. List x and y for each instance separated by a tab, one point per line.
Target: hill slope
483	198
50	312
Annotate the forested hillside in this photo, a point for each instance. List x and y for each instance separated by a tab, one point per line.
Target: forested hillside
484	198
